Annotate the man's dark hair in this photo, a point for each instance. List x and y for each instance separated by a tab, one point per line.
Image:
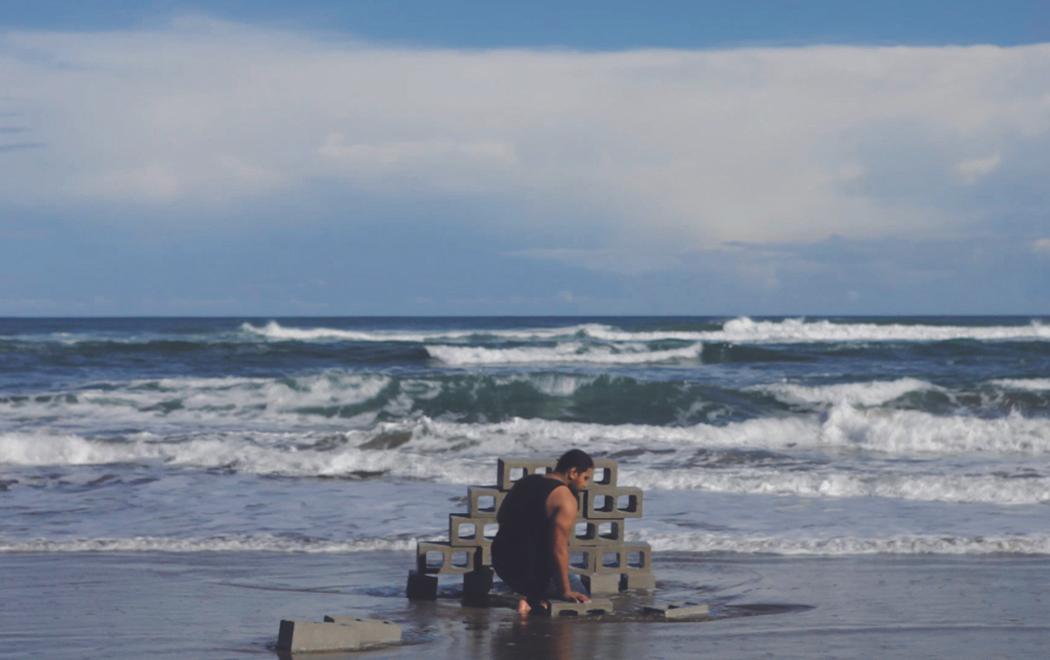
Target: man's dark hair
574	458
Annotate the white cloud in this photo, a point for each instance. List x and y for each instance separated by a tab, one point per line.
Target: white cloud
1041	245
667	149
972	170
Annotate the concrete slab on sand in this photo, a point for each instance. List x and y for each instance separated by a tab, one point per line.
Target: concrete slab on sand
595	606
678	610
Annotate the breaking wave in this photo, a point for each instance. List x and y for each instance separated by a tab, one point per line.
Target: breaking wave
232	543
845	545
562	353
866	394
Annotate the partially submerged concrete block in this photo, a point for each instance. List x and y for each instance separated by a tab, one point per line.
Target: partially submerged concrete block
600	584
477	584
678	610
440	557
596	606
484	501
632	581
304	636
421	586
370	631
608	502
510	470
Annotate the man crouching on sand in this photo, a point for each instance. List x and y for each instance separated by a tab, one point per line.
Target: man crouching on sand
531	549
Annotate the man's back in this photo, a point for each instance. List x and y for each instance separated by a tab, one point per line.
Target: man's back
521	551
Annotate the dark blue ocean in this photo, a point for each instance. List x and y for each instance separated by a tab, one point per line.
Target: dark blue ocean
789	436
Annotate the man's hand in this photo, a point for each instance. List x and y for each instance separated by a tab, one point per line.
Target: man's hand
576	597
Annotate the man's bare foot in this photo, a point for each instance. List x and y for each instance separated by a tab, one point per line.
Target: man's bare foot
523	607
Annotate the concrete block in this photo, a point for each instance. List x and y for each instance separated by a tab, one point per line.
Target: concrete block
421	586
613	502
439	557
484	501
598	532
466	531
305	636
636	558
370	631
596	606
678	610
477	584
601	584
605	472
643	581
510	470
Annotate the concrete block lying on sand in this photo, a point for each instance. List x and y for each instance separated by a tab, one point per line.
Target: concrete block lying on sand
350	634
421	586
596	606
370	631
678	610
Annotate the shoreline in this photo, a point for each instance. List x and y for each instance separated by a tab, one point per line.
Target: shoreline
226	605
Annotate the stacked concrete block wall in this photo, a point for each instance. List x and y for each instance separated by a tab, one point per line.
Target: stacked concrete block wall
599	552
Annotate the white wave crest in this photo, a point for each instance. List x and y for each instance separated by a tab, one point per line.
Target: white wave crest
1030	384
247	543
846	545
570	352
986	488
181	403
866	394
746	330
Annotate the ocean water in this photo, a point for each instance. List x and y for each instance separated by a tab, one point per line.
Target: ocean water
774	436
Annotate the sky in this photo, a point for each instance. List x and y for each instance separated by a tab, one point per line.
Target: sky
491	158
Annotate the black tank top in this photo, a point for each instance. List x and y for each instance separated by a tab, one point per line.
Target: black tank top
521	552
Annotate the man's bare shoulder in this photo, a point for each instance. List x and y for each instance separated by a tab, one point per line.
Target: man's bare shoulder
561	499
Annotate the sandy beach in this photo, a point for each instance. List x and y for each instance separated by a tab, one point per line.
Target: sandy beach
228	605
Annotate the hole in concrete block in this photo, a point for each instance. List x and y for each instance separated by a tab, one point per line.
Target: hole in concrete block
486	502
603	503
636	559
460	558
466	531
627	503
609	530
516	473
578	559
490	530
611	559
602	476
434	559
584	530
568	613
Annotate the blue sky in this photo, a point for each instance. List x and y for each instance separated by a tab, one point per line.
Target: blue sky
524	158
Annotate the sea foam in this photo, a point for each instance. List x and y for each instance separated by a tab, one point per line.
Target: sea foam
571	352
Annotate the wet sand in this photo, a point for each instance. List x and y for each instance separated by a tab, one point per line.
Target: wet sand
228	605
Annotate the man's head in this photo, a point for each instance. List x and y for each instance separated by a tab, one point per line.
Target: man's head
577	467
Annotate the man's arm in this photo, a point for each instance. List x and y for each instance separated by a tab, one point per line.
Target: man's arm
563	519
